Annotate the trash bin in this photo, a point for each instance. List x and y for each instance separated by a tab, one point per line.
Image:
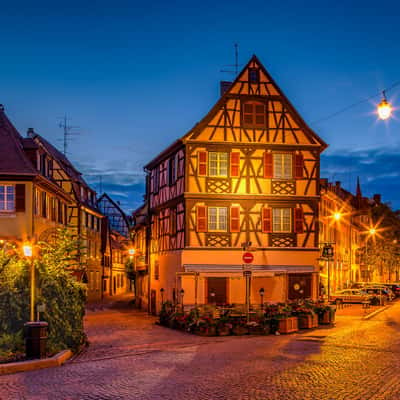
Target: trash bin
35	339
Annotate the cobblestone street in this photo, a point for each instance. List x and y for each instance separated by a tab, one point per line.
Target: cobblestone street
131	358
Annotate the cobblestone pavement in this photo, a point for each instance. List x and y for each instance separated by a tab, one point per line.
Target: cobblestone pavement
131	358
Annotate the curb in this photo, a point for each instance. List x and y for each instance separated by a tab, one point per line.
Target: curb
32	365
371	315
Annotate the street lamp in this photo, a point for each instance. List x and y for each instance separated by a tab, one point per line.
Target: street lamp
262	292
337	216
28	253
131	253
182	294
384	108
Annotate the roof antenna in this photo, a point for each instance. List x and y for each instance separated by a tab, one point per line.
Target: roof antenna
236	65
67	132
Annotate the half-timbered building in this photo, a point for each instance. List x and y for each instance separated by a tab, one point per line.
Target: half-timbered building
41	191
245	176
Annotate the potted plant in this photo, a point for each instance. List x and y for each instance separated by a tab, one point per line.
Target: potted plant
239	326
283	320
260	325
304	311
167	310
206	326
224	325
326	313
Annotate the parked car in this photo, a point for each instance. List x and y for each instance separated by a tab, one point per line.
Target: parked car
394	287
379	291
350	296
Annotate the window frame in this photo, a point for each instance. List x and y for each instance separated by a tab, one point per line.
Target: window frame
254	114
6	202
281	219
218	215
282	166
218	165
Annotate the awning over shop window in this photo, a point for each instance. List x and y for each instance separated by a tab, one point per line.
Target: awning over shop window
258	270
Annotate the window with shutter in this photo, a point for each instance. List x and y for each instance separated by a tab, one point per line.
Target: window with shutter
298	220
20	197
268	165
44	204
281	219
217	219
254	114
7	198
282	166
202	163
298	165
201	212
235	164
235	219
266	220
218	164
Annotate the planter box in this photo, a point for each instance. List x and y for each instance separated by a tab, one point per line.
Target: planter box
308	321
240	330
326	318
259	330
210	331
288	325
224	331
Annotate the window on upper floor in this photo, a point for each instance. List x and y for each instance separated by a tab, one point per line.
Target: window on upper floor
254	75
254	114
217	219
282	166
7	198
218	164
282	219
44	205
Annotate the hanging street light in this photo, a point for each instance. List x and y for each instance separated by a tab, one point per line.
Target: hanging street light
384	108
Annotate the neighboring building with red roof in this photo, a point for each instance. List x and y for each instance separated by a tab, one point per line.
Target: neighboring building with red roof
40	191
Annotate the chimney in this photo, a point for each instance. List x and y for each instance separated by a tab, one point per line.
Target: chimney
30	133
224	86
377	198
1	107
337	183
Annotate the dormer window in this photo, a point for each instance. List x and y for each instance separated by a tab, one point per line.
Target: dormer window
254	114
254	75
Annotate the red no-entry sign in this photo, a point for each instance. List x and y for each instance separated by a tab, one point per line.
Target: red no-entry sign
248	258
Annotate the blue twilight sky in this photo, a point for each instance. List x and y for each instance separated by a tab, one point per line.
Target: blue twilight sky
134	76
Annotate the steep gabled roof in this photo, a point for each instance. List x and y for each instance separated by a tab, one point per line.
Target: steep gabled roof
60	158
13	160
216	108
254	59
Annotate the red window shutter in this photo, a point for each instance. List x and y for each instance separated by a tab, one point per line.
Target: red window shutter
235	219
298	220
266	220
235	163
298	165
248	114
268	165
201	218
20	197
202	163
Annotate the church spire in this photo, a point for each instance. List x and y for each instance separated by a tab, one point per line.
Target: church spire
358	190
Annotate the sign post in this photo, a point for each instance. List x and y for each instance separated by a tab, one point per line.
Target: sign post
247	258
328	254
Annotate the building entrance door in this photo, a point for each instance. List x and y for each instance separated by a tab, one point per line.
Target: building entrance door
217	291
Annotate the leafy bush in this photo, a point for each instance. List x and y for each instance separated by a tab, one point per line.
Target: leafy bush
64	298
